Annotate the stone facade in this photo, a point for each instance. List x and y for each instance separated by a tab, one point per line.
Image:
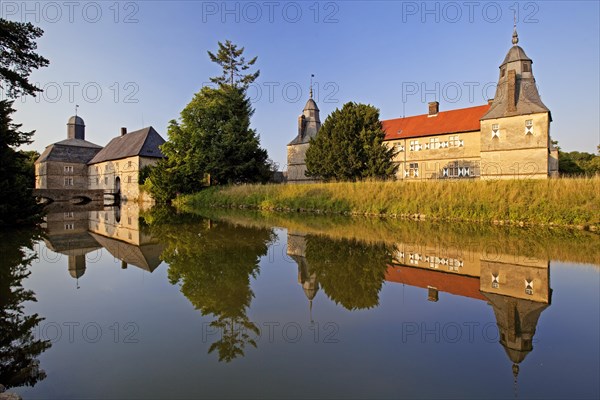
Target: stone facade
119	175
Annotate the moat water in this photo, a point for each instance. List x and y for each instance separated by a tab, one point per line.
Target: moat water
123	303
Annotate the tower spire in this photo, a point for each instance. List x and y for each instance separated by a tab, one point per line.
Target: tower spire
515	370
515	36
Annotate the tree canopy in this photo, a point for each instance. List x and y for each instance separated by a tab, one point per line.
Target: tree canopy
17	175
18	57
213	138
349	146
230	59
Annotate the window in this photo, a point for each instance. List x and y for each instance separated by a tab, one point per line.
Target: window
128	164
529	286
414	145
69	227
455	170
399	148
529	127
453	141
129	220
69	214
69	181
502	72
97	180
413	170
106	180
96	169
129	179
495	282
526	67
68	169
495	131
434	143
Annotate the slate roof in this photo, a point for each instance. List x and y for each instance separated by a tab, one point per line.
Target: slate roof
453	121
144	143
527	98
146	257
70	150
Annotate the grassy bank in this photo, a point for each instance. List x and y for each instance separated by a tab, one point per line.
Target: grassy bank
563	202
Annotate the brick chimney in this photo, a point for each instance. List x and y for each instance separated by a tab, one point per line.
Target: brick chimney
434	108
511	91
301	125
123	131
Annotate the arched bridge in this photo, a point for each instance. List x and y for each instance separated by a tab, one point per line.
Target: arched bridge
76	196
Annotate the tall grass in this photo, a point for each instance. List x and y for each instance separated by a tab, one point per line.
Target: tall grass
568	201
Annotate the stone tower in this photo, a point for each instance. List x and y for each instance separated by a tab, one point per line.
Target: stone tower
515	132
308	126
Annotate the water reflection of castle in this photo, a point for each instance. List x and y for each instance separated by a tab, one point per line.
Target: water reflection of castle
515	285
80	234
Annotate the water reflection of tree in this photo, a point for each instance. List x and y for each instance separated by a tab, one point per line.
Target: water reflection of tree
18	347
213	263
350	272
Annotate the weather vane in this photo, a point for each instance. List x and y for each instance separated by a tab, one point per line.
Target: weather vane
311	84
76	107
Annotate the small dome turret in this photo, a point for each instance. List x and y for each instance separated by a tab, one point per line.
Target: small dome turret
76	128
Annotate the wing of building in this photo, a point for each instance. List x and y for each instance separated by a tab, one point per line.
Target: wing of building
117	166
505	139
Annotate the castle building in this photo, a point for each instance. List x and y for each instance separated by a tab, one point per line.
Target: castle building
76	164
63	165
117	166
507	138
309	124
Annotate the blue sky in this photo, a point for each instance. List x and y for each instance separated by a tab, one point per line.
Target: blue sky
138	63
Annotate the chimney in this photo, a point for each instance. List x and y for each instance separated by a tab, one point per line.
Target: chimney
511	91
301	125
123	131
434	108
490	101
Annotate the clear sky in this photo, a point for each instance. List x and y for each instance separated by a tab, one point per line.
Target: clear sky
138	63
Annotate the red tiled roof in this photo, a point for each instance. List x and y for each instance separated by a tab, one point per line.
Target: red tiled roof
460	285
453	121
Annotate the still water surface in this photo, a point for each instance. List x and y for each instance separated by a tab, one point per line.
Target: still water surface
155	304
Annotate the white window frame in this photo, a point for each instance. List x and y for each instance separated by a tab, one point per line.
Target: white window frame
495	131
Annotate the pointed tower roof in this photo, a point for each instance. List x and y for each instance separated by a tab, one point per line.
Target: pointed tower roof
309	122
516	93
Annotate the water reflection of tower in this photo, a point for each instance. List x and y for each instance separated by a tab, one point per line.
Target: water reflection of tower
296	249
518	293
67	234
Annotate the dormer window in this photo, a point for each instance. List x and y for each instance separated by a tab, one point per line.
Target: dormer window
495	131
